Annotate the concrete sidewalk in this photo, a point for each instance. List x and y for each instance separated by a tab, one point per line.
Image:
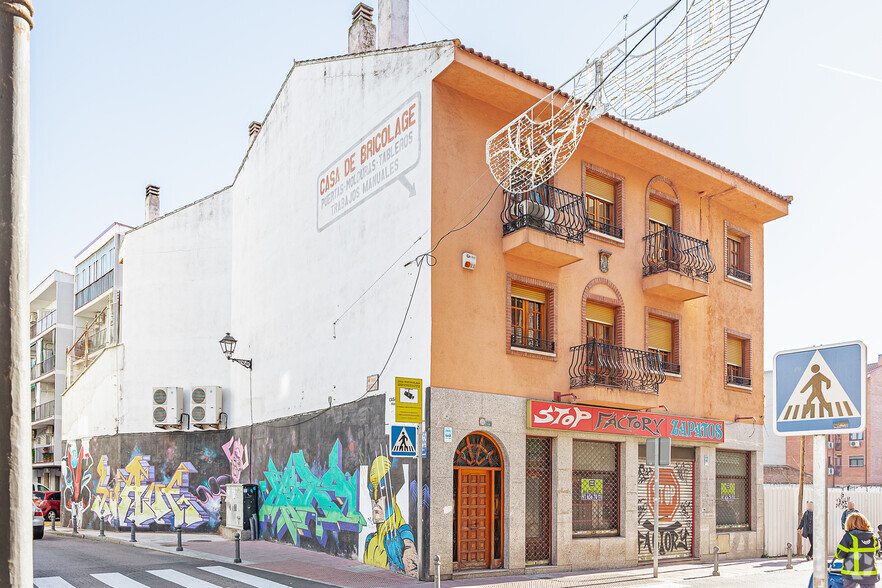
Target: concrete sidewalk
336	571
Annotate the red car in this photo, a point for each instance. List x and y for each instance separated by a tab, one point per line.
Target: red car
48	502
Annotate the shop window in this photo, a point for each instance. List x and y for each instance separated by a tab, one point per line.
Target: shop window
733	490
529	319
856	461
595	489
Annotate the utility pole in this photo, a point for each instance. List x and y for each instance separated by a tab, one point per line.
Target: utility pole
16	543
799	507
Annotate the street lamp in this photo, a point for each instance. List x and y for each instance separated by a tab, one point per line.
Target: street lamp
228	346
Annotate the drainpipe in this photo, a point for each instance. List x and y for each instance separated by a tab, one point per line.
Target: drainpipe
16	548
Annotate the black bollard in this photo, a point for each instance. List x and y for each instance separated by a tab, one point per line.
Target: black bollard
238	558
132	538
100	527
75	525
179	547
52	519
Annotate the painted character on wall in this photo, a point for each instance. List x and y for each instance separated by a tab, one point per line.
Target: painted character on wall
392	545
238	456
77	471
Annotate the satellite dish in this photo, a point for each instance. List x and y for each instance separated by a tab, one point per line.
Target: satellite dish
633	83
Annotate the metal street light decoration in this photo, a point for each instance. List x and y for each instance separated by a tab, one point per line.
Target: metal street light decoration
635	85
228	346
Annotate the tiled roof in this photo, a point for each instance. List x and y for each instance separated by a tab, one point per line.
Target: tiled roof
549	87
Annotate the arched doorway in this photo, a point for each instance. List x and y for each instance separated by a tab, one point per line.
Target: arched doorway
478	504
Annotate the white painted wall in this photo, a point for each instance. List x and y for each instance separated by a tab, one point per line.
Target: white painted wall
91	406
774	447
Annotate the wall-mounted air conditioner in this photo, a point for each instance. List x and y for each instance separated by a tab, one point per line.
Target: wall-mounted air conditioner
855	443
168	406
206	406
829	445
829	471
50	430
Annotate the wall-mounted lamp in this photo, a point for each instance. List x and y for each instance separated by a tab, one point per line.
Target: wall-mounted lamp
651	408
745	418
228	346
558	396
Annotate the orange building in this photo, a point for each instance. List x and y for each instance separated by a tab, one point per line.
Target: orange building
627	290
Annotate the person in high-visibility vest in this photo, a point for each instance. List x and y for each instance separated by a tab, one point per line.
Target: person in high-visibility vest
857	550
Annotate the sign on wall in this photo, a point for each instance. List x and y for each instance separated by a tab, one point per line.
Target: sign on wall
380	158
408	400
820	390
590	419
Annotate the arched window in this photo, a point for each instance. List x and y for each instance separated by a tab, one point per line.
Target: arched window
477	451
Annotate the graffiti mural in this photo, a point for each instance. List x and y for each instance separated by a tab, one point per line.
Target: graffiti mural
77	472
133	496
237	454
303	502
391	545
675	531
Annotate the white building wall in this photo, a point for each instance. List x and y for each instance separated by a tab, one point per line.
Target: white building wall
294	276
774	447
91	405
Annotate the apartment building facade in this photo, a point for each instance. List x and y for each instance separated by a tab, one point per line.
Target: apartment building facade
541	343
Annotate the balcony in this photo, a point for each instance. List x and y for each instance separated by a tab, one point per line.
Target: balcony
38	370
737	274
87	347
675	265
94	290
42	455
670	368
738	380
531	344
601	364
605	228
43	324
546	224
43	411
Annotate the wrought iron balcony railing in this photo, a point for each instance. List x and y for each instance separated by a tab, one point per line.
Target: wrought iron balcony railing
94	290
670	368
43	324
532	343
668	250
43	411
737	273
600	364
738	380
43	367
602	227
545	208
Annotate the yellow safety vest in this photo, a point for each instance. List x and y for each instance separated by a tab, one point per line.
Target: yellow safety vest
859	558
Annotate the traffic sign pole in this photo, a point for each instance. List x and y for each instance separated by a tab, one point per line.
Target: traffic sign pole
820	517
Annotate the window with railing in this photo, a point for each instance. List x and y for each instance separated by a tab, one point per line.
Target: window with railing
94	290
43	324
737	360
529	319
856	461
662	340
668	250
43	411
547	209
598	363
601	207
43	367
738	256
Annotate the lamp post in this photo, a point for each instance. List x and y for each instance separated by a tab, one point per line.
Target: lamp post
228	346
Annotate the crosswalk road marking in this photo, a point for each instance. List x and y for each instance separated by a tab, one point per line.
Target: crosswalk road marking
51	582
246	579
181	579
117	580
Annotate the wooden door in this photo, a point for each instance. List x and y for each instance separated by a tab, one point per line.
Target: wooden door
475	514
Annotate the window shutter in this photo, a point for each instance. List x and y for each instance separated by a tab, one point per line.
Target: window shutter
660	336
734	237
599	313
525	293
734	352
600	188
661	212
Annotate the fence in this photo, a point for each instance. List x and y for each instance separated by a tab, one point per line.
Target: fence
782	513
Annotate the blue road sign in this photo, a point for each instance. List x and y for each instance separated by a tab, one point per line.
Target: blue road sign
403	441
820	390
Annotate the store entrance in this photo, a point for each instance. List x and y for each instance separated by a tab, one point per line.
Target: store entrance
675	506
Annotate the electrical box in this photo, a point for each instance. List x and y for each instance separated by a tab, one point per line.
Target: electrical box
469	261
168	406
234	503
206	406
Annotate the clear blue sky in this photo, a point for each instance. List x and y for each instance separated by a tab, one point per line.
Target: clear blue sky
130	93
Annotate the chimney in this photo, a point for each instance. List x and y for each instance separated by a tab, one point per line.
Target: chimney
393	23
363	32
253	129
151	203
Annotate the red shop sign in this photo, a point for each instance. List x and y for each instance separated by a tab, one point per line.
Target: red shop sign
593	419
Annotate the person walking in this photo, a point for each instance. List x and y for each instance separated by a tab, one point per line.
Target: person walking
848	512
857	550
806	525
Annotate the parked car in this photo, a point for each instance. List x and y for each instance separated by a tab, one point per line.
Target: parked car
37	487
48	502
38	523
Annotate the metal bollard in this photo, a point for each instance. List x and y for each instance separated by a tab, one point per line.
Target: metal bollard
238	558
75	524
52	519
789	556
179	547
437	560
716	560
132	538
101	527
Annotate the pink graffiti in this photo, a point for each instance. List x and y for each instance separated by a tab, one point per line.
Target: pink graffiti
238	456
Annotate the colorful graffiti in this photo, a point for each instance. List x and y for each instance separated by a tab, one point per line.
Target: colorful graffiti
309	502
674	510
133	496
238	456
77	471
392	545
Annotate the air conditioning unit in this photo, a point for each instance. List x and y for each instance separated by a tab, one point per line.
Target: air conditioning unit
168	406
206	406
50	430
829	445
855	443
829	471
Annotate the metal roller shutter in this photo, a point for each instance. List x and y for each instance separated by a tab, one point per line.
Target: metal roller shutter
676	514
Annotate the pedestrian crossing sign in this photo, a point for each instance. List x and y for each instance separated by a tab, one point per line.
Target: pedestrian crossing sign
820	390
403	441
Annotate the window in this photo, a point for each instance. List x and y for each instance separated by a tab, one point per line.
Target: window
601	322
737	355
737	254
733	490
856	461
856	437
661	341
595	488
529	319
600	205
